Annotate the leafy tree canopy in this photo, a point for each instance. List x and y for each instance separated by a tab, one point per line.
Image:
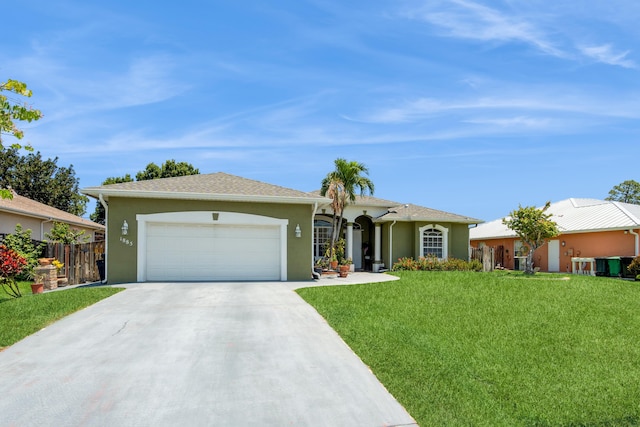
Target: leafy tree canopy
61	232
42	180
534	227
13	109
627	192
99	215
169	169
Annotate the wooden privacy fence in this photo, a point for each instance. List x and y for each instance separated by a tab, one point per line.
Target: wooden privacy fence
485	255
79	260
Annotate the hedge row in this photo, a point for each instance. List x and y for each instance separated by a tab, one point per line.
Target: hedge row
432	263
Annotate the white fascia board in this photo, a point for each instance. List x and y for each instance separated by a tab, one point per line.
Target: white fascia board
202	196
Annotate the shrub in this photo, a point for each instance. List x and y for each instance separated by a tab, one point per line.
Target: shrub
11	265
475	265
21	242
454	264
432	263
429	263
634	267
405	264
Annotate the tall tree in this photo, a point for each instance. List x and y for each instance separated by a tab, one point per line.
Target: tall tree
99	214
42	180
534	227
627	192
13	110
342	185
169	169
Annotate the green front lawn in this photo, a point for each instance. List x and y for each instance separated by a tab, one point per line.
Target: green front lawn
497	349
20	317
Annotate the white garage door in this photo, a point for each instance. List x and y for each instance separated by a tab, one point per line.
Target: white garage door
194	252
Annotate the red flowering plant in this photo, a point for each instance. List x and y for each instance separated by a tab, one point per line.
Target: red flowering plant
11	264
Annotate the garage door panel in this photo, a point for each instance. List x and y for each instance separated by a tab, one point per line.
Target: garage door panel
179	252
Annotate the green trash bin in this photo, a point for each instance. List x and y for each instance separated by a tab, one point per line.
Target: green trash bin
615	266
602	267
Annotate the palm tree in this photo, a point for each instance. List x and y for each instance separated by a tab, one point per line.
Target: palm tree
341	185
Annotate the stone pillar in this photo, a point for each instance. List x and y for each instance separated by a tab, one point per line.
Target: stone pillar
47	275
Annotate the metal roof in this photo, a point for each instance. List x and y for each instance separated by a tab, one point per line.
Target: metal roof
574	216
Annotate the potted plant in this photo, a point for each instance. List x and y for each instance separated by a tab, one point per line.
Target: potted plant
345	266
333	262
37	287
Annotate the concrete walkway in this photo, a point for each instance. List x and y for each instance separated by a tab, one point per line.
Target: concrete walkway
194	354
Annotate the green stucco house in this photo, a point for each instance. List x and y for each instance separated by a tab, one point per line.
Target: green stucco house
221	227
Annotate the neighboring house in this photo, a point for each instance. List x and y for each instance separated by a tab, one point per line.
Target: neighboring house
214	227
39	218
589	228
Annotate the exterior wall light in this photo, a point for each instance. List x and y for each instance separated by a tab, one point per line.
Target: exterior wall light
298	231
125	228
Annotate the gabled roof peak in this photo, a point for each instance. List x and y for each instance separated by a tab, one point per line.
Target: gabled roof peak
213	186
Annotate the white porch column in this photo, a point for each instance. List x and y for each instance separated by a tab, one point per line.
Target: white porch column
349	239
377	260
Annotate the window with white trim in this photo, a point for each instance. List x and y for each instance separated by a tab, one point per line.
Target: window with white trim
433	240
321	236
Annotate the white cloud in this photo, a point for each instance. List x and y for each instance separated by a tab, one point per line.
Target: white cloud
471	20
529	101
552	31
605	54
518	122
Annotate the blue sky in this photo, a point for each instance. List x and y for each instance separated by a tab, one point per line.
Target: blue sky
468	106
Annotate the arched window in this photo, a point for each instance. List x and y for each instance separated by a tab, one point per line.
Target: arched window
434	241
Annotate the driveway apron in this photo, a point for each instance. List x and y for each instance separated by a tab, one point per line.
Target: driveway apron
192	354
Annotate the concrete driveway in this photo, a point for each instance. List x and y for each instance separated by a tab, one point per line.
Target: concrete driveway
194	354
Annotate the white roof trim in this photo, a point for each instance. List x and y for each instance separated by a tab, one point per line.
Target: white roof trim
96	191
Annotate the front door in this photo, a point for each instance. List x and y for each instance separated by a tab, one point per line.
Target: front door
357	249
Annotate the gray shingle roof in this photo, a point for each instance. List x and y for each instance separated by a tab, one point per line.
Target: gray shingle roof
574	216
368	200
25	206
411	212
214	186
407	212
